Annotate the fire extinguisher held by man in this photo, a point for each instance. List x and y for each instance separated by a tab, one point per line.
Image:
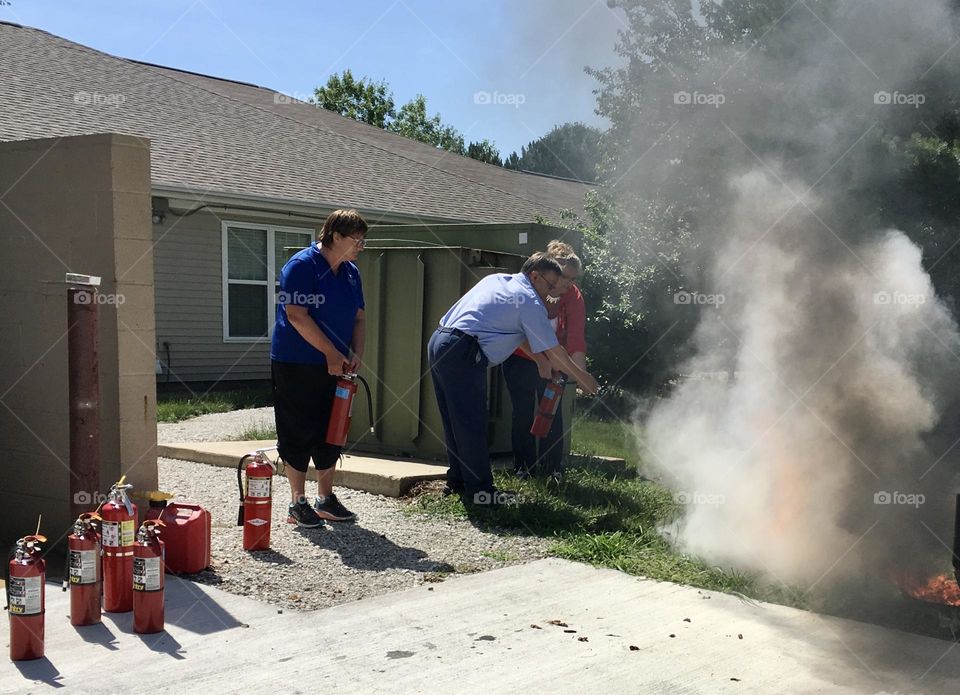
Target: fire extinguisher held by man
543	450
318	336
493	319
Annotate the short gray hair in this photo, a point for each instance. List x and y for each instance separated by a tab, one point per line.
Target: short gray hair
542	262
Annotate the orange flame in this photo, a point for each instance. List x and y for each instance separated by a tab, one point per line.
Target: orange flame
939	589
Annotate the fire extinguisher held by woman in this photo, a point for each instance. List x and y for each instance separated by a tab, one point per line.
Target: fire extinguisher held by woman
318	336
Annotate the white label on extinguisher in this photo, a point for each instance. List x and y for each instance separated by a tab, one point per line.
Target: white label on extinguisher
258	487
110	534
83	566
25	595
146	574
257	522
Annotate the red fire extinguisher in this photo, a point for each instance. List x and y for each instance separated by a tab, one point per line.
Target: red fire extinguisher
118	518
27	573
256	500
548	407
148	579
84	571
342	411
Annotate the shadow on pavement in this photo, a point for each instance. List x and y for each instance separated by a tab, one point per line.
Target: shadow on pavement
363	549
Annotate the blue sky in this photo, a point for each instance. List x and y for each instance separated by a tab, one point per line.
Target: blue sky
527	55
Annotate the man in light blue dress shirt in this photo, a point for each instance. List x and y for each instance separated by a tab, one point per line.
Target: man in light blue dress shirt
502	312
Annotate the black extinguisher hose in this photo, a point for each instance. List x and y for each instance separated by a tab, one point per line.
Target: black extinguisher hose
366	387
240	485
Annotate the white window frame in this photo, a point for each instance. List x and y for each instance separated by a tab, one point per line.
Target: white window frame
270	282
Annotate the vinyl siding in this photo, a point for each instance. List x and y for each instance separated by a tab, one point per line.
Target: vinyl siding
189	305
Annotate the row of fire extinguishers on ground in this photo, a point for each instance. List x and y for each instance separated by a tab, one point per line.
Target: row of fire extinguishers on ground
126	567
255	471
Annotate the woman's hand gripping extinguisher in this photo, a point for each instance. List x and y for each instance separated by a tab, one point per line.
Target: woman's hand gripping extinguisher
148	563
256	499
26	576
84	570
342	411
548	406
118	518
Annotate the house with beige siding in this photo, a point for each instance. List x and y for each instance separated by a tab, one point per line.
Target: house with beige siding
242	175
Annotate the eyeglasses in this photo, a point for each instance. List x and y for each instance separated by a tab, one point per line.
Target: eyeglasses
359	241
550	285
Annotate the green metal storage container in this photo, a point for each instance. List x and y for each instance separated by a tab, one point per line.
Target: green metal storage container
410	280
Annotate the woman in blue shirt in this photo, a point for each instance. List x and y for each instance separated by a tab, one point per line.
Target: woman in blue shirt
319	334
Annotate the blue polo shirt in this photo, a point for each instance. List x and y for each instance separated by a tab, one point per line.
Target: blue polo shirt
500	311
332	300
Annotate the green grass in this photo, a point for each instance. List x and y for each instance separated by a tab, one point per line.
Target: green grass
258	431
603	438
604	514
177	407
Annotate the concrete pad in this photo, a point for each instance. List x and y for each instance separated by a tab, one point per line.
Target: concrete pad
380	475
490	633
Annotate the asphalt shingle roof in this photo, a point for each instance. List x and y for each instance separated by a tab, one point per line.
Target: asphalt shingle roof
213	135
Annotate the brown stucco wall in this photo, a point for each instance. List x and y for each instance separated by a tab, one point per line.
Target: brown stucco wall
78	204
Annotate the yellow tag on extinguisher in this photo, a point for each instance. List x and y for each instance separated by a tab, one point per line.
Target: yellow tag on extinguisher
126	532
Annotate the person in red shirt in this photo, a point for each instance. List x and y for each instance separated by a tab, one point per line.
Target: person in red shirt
567	313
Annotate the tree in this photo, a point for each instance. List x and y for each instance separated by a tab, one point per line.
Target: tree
667	165
411	121
571	150
362	100
484	151
372	103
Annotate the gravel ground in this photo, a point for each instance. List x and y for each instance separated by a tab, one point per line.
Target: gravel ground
386	550
215	427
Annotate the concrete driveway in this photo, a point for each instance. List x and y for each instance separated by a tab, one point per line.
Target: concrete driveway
489	633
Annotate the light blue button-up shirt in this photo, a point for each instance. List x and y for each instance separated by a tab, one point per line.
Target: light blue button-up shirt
500	311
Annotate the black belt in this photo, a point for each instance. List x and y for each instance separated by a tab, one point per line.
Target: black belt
457	332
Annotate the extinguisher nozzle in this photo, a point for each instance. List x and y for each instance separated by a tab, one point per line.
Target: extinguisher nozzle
240	516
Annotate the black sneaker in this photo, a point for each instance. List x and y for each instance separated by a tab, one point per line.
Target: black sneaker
332	510
303	515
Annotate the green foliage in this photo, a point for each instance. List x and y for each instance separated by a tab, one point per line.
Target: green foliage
362	100
484	151
571	150
411	121
665	168
372	102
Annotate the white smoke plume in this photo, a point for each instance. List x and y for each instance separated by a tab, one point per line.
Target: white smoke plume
799	438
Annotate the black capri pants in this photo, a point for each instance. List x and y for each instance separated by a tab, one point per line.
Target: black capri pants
302	400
